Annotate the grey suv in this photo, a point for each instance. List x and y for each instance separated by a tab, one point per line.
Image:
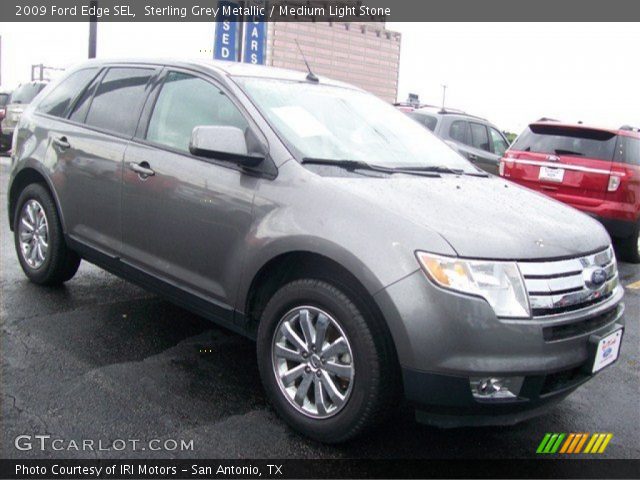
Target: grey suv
365	256
478	140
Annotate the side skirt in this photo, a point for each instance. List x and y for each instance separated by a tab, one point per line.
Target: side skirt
224	316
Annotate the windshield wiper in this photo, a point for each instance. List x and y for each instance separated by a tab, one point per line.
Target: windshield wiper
361	165
442	169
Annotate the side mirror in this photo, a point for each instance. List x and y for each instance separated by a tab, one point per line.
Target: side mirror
224	143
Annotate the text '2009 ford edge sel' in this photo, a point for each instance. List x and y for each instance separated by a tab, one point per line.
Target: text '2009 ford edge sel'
364	255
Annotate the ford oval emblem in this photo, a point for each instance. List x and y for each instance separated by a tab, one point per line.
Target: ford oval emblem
594	277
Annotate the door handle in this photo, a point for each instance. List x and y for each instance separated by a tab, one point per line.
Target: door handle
61	143
473	157
142	169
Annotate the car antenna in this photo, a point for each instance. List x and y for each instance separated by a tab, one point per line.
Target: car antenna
310	76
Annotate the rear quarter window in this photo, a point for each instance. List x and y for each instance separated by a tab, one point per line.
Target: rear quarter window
428	121
58	101
628	150
118	100
568	141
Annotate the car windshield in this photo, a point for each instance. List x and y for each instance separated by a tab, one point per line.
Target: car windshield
25	93
338	123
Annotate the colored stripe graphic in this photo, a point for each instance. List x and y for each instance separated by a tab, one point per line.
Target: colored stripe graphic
573	443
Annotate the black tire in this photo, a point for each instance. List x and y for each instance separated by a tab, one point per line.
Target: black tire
376	378
60	263
629	249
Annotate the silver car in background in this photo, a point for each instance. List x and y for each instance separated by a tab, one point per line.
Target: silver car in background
368	259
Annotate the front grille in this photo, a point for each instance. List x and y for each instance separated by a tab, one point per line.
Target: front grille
558	287
568	330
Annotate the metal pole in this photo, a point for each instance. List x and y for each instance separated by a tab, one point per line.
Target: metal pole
444	91
0	59
93	30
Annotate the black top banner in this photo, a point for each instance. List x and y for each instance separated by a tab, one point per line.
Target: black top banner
317	10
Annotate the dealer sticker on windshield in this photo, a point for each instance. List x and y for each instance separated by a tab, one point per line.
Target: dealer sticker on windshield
551	174
608	350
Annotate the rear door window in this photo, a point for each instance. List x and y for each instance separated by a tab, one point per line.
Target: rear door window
567	141
118	100
185	102
479	137
58	101
459	130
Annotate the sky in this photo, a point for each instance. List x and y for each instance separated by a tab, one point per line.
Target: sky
509	73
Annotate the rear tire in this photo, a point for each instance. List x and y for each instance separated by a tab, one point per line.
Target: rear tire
630	247
39	240
367	392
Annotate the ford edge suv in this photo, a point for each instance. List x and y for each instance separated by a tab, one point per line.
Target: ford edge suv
593	169
367	258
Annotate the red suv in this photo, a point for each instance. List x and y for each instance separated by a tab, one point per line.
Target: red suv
592	169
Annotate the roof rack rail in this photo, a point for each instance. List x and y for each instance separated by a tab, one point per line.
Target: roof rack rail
457	111
629	128
547	119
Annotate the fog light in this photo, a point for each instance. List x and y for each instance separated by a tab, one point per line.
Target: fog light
495	388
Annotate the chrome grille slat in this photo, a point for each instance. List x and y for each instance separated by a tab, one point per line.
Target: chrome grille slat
558	286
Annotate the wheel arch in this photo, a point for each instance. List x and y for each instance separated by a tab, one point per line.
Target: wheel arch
27	175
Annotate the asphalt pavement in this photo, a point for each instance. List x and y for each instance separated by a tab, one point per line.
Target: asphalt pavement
100	359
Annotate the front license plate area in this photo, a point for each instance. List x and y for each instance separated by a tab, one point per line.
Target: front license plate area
607	350
551	174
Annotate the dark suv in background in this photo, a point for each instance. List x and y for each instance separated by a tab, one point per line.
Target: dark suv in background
5	142
22	96
477	139
595	170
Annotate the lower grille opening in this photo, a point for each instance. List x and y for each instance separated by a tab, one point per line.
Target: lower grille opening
561	332
561	380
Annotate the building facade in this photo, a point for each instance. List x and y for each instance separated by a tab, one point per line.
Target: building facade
364	54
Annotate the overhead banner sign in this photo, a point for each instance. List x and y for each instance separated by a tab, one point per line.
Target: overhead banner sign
226	42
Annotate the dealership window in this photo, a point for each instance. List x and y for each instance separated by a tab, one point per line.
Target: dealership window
186	102
118	100
459	130
58	101
499	143
479	137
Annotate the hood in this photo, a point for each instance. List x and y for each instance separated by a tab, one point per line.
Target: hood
482	217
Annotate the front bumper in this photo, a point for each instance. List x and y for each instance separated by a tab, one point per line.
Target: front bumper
443	339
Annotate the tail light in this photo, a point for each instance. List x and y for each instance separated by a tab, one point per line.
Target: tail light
614	183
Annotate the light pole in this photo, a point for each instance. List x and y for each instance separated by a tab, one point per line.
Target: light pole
93	30
444	92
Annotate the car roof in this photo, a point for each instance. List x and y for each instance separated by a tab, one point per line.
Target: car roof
233	69
624	130
432	110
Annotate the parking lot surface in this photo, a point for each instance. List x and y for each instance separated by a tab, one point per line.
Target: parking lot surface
101	359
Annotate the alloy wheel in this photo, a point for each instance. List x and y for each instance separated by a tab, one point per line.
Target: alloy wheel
33	234
313	362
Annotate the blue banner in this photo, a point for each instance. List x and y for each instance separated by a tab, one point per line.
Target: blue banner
225	46
255	36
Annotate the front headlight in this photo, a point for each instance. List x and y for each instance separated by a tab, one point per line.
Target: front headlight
499	283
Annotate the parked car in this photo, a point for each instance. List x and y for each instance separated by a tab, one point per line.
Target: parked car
17	102
592	169
4	99
365	256
478	140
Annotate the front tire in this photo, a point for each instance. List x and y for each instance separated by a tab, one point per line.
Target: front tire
630	247
39	240
323	364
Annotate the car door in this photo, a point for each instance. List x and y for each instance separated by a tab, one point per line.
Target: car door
188	219
480	152
88	151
